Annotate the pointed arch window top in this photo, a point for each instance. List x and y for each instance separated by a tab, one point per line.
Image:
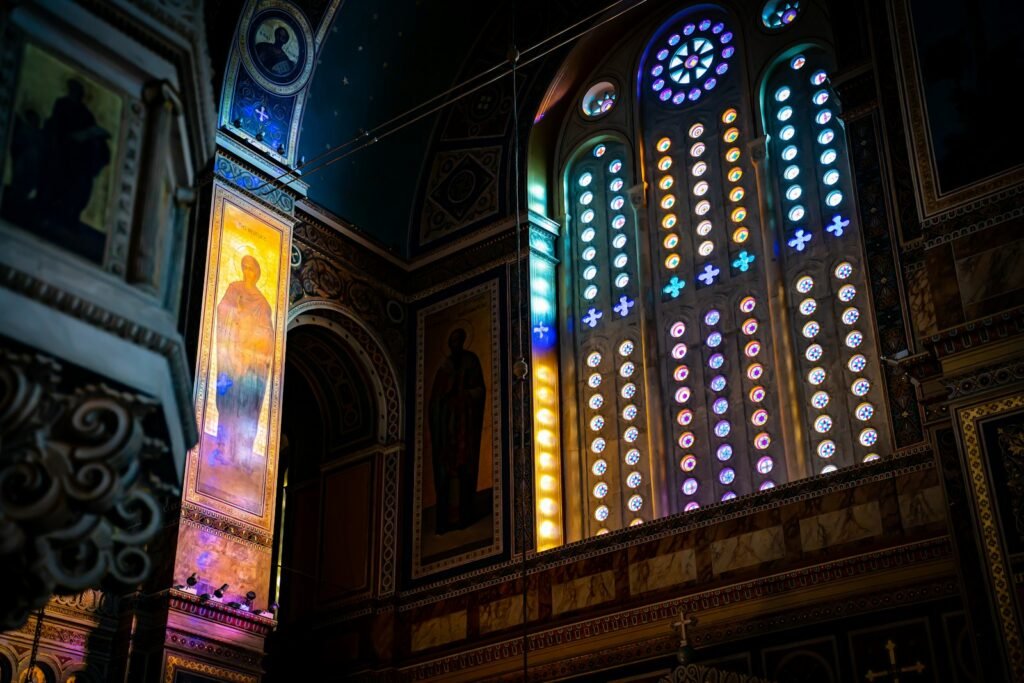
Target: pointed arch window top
689	60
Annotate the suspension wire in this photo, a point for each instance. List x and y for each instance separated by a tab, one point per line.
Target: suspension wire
521	367
374	135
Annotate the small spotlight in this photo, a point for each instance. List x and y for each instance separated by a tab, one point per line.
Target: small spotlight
219	593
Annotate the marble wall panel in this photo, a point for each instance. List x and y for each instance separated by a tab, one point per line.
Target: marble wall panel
662	571
439	630
841	526
746	550
583	592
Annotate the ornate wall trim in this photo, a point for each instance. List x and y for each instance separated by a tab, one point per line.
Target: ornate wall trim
986	520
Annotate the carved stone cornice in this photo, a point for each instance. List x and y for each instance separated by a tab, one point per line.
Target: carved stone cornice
212	648
225	525
221	613
76	508
986	379
71	304
975	334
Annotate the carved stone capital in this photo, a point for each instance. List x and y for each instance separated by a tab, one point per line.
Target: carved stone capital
76	509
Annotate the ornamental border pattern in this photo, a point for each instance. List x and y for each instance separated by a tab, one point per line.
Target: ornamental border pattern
930	550
910	460
992	548
173	664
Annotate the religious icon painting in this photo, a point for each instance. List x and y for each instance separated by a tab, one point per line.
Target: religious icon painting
61	161
277	48
233	469
457	497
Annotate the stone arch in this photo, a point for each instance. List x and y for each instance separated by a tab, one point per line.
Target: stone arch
370	351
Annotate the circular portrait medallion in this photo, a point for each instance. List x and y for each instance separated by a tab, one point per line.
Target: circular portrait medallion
277	48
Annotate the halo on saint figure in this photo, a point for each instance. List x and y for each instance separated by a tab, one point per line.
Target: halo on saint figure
277	48
461	324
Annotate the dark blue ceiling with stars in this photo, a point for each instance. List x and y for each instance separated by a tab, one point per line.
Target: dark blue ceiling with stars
379	60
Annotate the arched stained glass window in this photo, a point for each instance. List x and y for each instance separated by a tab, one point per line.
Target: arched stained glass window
716	340
609	368
721	421
838	357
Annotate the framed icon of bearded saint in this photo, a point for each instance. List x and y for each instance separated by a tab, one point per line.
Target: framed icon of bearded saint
277	48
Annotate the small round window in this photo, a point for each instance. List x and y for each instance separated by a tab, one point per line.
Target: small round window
600	98
778	14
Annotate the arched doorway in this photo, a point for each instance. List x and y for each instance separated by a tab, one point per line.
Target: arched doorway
325	550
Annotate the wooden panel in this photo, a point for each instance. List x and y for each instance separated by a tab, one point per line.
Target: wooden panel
346	521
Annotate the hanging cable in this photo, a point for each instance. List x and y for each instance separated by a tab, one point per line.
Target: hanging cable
374	135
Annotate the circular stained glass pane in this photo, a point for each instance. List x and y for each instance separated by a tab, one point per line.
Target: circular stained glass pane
850	315
589	292
720	406
629	412
589	253
722	429
634	479
628	390
760	417
596	401
682	394
804	284
854	339
677	329
864	411
631	434
808	306
831	177
679	351
747	304
590	272
766	484
822	424
843	270
827	448
727	475
626	348
688	463
847	293
601	513
755	371
714	339
627	369
813	352
811	329
632	456
829	469
690	486
816	376
594	359
757	394
791	172
724	452
596	423
716	361
762	441
820	399
860	387
718	383
857	363
828	157
599	467
620	260
600	490
599	99
684	417
868	437
598	445
778	14
703	228
765	464
594	380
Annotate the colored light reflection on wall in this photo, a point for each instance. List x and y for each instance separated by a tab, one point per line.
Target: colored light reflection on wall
547	459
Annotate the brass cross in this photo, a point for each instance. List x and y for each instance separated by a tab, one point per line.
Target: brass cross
894	670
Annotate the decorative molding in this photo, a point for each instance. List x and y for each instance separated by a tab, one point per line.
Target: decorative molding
258	186
171	348
173	664
977	333
118	243
221	613
226	525
986	518
960	218
1016	212
77	507
932	203
212	648
563	636
389	523
913	459
984	380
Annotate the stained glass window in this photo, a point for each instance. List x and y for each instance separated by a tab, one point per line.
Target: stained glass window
707	350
